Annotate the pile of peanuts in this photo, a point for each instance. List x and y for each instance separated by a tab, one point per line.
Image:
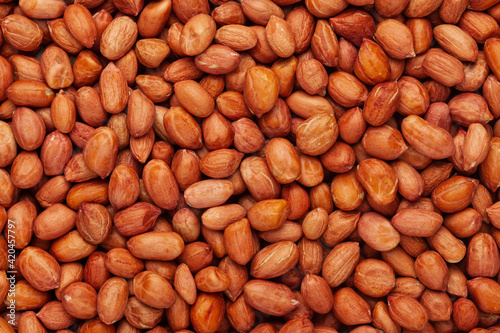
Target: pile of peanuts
260	166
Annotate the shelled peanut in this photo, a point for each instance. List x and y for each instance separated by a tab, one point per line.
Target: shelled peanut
251	166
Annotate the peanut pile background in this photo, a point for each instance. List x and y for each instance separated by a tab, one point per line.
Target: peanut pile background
260	166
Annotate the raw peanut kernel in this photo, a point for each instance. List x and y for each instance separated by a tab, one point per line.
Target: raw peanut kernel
407	312
350	308
372	64
378	179
81	24
283	160
261	90
21	32
40	268
118	38
197	34
100	151
427	139
395	38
